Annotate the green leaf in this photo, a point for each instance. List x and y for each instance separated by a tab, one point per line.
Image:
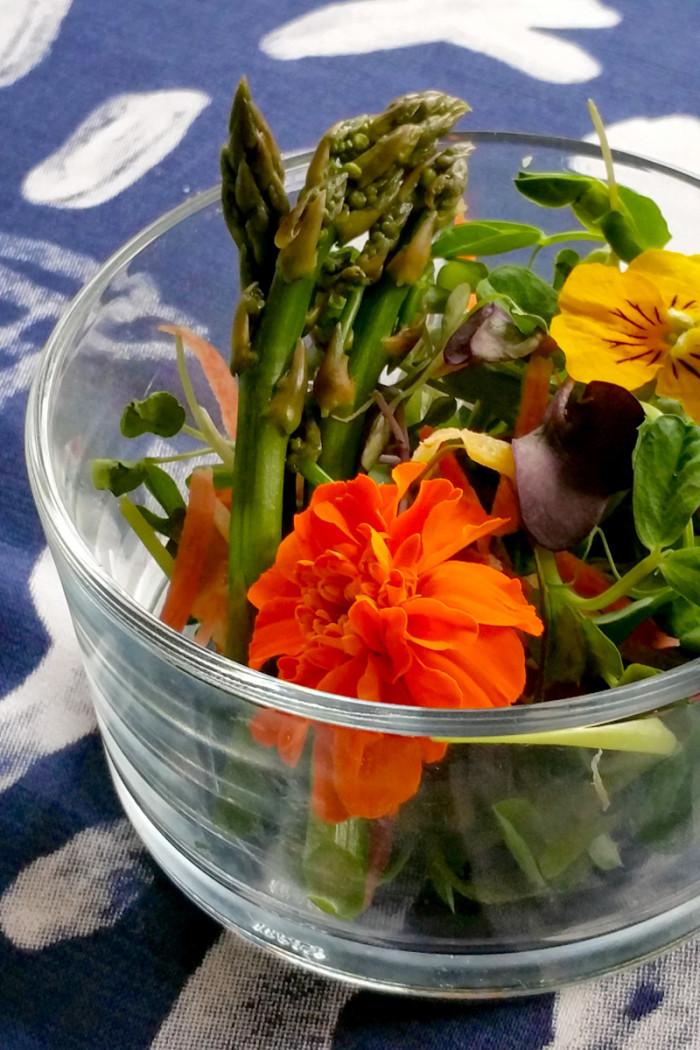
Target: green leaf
170	526
164	489
681	569
558	189
335	865
645	215
565	649
682	620
160	413
485	237
666	490
522	831
567	848
602	655
460	271
604	853
617	625
638	673
564	263
668	804
534	299
497	389
620	234
118	476
634	226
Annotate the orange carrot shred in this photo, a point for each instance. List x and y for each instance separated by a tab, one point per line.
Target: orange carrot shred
535	396
506	505
223	385
197	531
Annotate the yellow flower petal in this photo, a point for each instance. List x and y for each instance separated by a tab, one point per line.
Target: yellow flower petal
611	326
483	449
676	276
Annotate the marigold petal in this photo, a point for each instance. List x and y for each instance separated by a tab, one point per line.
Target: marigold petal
432	750
271	585
403	475
375	773
276	632
499	670
488	596
284	731
343	678
445	522
431	685
325	801
432	624
383	632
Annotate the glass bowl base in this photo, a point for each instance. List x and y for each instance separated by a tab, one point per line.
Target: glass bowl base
419	973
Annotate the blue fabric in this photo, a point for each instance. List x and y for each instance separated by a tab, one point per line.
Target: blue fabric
145	969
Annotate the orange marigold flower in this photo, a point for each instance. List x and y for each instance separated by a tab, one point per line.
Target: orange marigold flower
370	602
635	326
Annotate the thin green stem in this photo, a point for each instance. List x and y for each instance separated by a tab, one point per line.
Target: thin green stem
561	238
349	313
201	417
192	454
313	473
597	122
146	534
622	586
193	432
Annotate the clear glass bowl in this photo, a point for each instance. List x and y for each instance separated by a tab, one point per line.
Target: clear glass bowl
552	862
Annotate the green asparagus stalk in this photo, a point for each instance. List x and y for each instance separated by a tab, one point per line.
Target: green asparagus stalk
435	198
362	171
252	196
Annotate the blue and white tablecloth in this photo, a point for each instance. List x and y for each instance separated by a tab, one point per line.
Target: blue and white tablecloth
111	112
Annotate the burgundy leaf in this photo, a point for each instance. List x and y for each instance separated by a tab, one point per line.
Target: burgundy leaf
568	467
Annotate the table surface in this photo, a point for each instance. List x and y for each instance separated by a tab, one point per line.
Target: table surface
111	113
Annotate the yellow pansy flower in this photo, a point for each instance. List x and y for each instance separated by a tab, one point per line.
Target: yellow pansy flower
635	326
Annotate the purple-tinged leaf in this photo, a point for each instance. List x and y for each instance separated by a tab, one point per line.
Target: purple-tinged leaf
568	467
488	335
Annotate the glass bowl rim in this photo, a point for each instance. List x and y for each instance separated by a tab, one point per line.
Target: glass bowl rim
222	674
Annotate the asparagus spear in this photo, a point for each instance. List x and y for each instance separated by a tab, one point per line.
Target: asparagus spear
435	198
362	170
252	189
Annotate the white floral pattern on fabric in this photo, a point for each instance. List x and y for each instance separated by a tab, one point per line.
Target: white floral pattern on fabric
28	28
652	1008
506	30
226	1004
52	707
28	269
87	885
113	147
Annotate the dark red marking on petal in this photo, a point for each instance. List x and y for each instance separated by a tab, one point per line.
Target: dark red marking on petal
690	368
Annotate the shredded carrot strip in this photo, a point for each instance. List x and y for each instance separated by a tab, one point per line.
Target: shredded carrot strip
223	385
506	505
192	550
535	396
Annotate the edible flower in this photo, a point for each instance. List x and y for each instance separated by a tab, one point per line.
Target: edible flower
635	326
367	599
